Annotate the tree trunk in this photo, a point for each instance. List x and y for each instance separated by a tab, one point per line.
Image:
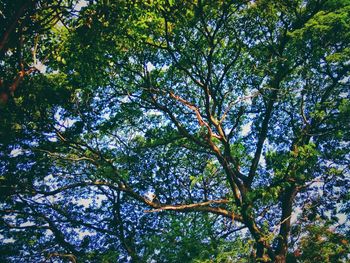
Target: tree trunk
261	253
287	208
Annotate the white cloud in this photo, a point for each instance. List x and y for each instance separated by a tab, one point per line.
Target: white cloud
80	5
246	128
16	152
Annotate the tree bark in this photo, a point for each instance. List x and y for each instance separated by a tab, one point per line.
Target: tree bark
287	208
263	252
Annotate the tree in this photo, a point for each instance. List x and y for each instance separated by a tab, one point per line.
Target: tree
26	37
185	124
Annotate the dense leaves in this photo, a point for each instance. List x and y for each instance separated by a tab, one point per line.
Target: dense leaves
175	131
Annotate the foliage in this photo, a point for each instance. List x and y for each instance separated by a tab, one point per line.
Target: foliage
174	131
323	244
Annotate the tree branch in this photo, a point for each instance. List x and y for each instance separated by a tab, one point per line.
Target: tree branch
200	207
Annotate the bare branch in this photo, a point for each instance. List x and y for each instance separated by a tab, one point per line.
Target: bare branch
200	207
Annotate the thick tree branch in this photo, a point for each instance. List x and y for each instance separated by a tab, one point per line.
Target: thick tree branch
200	207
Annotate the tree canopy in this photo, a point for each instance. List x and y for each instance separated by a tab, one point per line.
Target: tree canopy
174	131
